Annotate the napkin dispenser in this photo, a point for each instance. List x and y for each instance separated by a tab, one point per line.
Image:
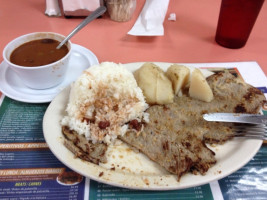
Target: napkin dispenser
80	8
70	8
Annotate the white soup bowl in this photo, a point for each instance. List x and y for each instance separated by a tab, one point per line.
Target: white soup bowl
39	77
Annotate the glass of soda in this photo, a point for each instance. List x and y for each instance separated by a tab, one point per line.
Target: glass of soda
236	20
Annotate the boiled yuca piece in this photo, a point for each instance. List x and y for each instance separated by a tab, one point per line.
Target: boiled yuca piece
156	87
199	88
179	76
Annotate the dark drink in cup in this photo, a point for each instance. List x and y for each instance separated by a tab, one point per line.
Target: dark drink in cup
236	21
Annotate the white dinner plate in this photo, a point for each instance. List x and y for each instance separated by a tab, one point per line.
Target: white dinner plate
13	87
129	169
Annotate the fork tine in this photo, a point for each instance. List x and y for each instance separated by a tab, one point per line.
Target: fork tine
247	131
261	126
251	131
252	137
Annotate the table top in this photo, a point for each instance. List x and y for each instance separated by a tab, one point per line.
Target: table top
29	168
189	39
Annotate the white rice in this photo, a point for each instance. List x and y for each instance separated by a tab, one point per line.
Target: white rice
107	92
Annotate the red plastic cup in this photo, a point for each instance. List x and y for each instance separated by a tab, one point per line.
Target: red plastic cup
236	20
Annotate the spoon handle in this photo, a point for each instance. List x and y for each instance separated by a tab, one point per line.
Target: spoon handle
99	11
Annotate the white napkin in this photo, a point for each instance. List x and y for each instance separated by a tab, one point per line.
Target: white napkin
150	20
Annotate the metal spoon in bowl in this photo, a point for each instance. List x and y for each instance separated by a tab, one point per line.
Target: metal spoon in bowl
99	11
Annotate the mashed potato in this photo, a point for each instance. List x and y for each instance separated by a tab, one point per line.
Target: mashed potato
103	101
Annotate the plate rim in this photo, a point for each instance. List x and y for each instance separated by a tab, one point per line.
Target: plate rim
6	89
256	147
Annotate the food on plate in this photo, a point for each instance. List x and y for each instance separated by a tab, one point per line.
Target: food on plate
199	88
69	177
232	95
179	76
38	52
176	133
170	145
104	102
156	87
84	148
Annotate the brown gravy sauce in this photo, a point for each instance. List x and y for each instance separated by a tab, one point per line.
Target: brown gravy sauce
38	52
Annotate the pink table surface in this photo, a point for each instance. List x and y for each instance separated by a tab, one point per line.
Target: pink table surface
189	39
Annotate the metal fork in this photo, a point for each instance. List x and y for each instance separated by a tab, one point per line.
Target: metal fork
252	131
244	125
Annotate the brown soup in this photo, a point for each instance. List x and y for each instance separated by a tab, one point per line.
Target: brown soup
38	53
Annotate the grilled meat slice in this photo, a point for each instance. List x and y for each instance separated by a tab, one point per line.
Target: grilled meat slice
83	148
231	95
175	135
177	150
